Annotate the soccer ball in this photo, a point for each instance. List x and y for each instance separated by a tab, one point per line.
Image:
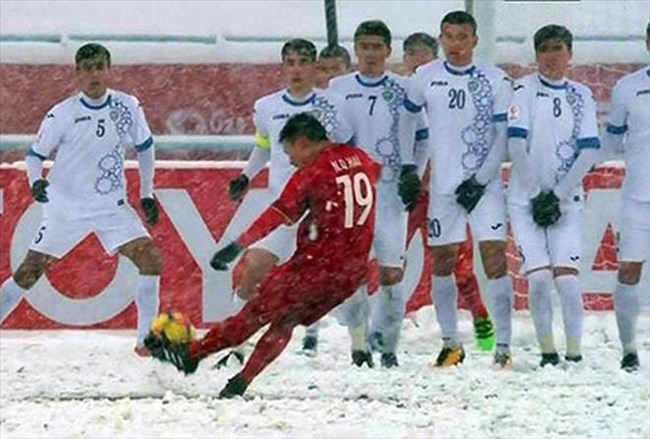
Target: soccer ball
174	326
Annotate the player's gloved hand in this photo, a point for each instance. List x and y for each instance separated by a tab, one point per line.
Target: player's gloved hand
546	208
39	190
409	186
469	192
223	257
150	208
238	187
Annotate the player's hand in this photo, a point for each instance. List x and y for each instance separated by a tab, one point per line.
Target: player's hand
546	208
226	255
150	208
409	186
39	190
238	187
469	193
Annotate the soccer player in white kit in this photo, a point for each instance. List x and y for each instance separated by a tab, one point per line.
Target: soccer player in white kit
466	105
85	191
270	114
629	130
374	100
553	142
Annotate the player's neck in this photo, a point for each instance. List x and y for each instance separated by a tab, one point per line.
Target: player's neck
299	94
552	81
95	101
371	77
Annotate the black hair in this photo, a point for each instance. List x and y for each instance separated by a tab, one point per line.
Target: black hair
552	32
459	17
92	51
302	124
336	51
373	27
421	38
301	46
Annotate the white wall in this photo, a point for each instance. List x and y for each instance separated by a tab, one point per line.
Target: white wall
235	23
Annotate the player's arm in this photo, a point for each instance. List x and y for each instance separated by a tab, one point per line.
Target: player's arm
588	144
144	147
613	139
48	138
286	210
258	159
518	134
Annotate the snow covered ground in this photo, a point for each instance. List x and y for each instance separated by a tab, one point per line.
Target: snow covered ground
89	384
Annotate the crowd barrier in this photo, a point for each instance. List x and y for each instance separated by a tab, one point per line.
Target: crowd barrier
88	288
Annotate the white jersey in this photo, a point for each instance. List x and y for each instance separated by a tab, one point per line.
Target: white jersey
374	108
87	177
271	114
557	120
630	115
462	107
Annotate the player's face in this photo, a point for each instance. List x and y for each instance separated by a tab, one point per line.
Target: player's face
329	68
458	42
553	58
93	75
417	55
299	72
372	52
300	151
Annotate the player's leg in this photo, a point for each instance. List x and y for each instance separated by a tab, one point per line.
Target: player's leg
353	313
489	224
258	262
28	273
53	239
564	242
390	281
633	251
536	264
469	291
310	340
446	229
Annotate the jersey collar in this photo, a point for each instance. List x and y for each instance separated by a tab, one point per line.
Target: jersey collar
286	97
366	81
459	72
555	85
92	104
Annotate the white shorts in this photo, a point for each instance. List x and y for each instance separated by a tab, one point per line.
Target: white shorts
56	236
555	246
281	242
389	242
447	222
634	235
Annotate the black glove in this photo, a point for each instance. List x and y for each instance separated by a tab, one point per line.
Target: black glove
223	257
469	192
546	208
409	186
150	208
238	187
39	191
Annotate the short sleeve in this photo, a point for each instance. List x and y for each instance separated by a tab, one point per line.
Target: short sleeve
588	135
518	114
415	87
50	134
140	131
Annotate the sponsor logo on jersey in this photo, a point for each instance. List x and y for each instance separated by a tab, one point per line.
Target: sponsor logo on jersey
280	116
439	83
518	87
49	116
81	119
541	94
353	96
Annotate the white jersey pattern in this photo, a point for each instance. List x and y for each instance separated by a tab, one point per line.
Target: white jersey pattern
557	120
271	114
87	178
462	107
630	115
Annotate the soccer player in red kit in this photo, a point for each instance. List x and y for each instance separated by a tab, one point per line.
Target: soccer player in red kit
335	184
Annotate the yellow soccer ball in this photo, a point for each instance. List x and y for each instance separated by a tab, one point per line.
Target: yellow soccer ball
174	326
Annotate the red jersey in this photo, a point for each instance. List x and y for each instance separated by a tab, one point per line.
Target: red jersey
338	190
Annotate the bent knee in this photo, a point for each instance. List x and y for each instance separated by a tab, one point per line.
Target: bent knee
390	275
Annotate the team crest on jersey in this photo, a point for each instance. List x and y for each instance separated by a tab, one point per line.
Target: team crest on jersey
473	86
571	99
514	113
388	95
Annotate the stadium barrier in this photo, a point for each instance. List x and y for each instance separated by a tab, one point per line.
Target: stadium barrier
88	288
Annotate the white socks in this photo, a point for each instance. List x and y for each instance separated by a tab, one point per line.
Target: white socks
501	297
10	295
444	299
147	302
540	284
570	291
394	309
626	305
